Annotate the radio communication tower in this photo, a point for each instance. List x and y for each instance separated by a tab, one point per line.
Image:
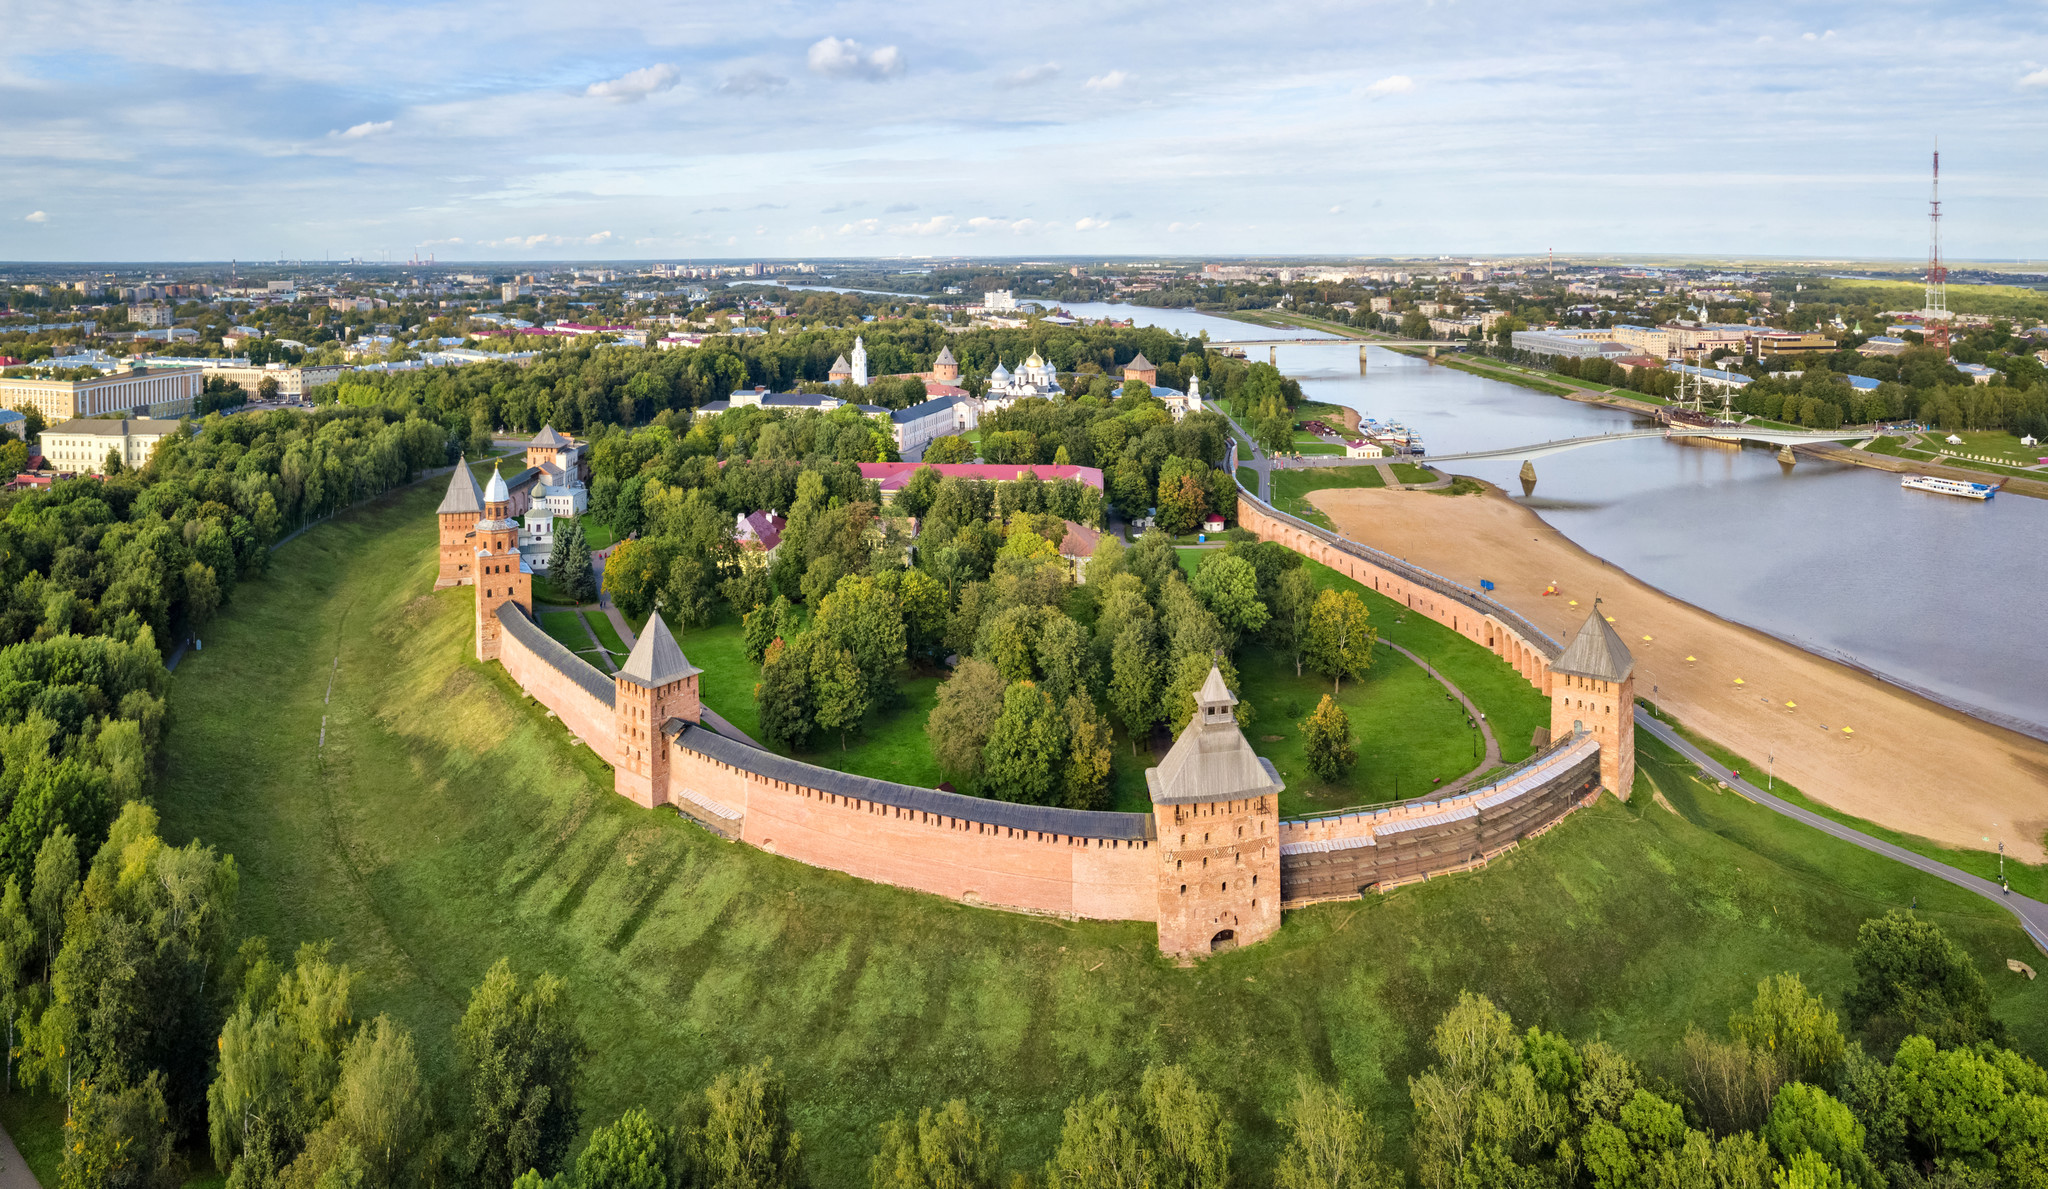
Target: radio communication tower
1934	319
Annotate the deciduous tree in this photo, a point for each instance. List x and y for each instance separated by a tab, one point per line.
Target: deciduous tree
1327	740
1339	642
521	1060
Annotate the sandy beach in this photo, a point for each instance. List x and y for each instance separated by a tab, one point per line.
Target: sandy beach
1841	736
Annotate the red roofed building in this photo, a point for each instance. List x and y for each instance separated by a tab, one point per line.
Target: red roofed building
893	475
759	530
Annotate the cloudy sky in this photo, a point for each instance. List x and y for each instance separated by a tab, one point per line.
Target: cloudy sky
195	129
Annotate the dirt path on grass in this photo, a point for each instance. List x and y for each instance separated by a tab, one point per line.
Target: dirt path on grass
1903	761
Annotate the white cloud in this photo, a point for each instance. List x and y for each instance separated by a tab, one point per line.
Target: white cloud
1336	210
936	225
1177	228
2037	79
1393	84
1107	82
366	128
535	241
1090	224
751	82
1817	36
861	227
635	85
847	58
1032	74
35	217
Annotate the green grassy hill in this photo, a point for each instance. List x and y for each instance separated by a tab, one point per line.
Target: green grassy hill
447	821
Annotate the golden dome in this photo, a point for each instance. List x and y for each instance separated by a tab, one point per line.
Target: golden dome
1034	361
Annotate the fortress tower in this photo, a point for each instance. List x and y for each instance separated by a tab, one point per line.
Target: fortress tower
658	684
946	369
500	575
1592	687
458	514
546	447
1142	370
1217	809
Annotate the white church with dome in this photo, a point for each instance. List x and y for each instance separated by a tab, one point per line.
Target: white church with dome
1033	378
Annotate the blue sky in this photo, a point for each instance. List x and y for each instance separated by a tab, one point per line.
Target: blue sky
190	129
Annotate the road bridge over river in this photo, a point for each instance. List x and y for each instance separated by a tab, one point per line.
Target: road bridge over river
1273	345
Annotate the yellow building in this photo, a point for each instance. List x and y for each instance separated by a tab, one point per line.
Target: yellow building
81	446
155	390
1769	345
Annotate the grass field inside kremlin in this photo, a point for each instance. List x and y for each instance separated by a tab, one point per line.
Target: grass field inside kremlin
448	822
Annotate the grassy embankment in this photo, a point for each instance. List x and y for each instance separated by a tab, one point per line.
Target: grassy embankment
1291	488
1897	448
448	823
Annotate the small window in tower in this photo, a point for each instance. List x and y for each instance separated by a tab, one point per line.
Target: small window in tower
1183	889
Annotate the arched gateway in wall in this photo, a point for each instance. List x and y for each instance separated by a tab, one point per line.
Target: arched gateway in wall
1212	864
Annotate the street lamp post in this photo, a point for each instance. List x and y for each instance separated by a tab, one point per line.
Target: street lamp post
1770	771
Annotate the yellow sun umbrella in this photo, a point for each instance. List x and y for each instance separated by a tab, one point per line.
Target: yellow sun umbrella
1645	637
1848	730
1692	658
1792	705
1738	681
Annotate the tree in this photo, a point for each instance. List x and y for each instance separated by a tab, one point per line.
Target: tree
917	493
120	1138
1182	501
788	708
1326	738
55	883
968	705
1191	1137
1807	1119
738	1135
17	947
1330	1144
521	1059
629	1153
945	1149
1100	1147
279	1059
112	464
1021	760
948	449
266	388
1791	1023
1294	597
1229	588
202	596
1911	978
763	626
569	564
838	689
1089	758
381	1107
923	602
1339	642
1134	680
864	621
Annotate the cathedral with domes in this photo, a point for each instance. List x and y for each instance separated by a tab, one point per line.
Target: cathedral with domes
1033	378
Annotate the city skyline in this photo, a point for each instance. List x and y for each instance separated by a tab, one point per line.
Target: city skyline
202	132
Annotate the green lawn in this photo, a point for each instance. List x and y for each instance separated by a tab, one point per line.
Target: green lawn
1998	444
1411	736
1318	447
1291	487
607	634
1248	478
448	822
1408	472
567	629
596	533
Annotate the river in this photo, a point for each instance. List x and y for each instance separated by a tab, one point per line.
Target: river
1938	594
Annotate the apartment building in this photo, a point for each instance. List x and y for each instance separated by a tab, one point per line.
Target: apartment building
81	446
167	390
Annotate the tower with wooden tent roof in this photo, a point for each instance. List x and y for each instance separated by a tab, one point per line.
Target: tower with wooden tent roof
1593	688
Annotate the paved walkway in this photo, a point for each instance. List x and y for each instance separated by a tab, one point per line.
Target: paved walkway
1492	758
2033	914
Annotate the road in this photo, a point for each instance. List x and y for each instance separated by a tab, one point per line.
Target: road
2033	914
1259	462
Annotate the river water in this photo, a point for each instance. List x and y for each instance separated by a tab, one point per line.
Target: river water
1939	594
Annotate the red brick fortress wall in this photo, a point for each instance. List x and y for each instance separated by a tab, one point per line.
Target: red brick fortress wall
1052	871
545	670
1509	636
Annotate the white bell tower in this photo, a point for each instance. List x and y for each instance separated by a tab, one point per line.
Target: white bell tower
860	362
